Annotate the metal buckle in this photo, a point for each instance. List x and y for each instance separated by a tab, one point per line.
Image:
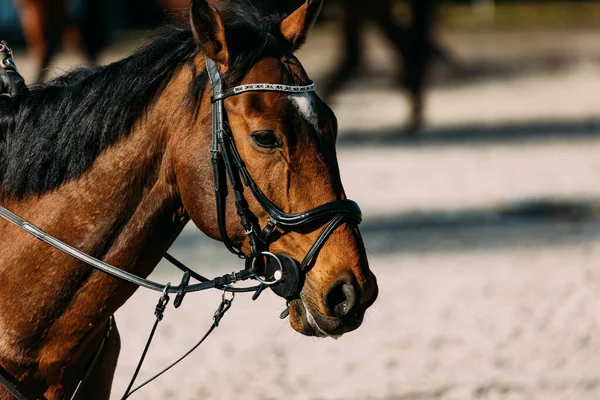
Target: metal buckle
223	307
159	310
223	298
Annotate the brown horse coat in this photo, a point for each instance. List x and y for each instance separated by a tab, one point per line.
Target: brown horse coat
125	196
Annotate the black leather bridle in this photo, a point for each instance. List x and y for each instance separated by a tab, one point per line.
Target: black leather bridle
284	275
227	163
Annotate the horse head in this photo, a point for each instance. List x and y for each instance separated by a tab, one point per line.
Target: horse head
286	143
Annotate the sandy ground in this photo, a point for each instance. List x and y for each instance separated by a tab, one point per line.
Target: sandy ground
481	297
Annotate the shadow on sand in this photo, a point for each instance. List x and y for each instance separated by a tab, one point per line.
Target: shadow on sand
527	225
463	73
474	134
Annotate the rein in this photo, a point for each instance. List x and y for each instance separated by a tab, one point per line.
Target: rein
283	274
217	283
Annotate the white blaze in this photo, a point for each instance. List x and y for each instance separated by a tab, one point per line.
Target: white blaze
305	103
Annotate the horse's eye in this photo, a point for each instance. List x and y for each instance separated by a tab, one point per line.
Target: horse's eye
266	139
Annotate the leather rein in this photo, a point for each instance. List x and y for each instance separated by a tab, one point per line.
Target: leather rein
284	275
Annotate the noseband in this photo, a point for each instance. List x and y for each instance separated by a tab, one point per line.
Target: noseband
285	275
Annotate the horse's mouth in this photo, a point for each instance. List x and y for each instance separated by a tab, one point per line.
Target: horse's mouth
310	323
310	326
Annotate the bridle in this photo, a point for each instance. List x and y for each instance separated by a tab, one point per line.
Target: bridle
283	274
227	163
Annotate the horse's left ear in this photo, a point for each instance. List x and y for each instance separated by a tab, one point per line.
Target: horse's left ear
295	27
209	31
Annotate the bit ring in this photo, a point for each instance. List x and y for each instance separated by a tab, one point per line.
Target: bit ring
278	277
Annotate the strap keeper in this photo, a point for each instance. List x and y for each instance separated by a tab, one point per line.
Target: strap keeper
268	230
185	281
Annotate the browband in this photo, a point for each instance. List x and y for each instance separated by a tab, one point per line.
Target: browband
263	87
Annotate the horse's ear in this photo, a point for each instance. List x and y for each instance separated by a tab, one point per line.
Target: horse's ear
209	31
295	27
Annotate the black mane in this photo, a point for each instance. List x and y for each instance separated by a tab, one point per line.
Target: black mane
56	133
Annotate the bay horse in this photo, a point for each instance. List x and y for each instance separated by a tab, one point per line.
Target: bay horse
115	161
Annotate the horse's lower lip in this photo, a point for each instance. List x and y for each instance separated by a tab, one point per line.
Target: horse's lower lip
308	324
311	326
313	323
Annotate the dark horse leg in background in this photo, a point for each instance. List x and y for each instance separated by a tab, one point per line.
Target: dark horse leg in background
418	54
354	18
45	22
414	45
93	29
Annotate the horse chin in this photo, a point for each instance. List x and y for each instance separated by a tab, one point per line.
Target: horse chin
302	320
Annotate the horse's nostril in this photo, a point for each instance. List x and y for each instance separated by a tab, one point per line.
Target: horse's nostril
341	299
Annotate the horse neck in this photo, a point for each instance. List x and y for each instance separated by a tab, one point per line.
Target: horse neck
124	210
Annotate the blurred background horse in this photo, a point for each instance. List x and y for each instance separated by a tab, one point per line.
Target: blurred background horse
47	24
413	43
85	24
